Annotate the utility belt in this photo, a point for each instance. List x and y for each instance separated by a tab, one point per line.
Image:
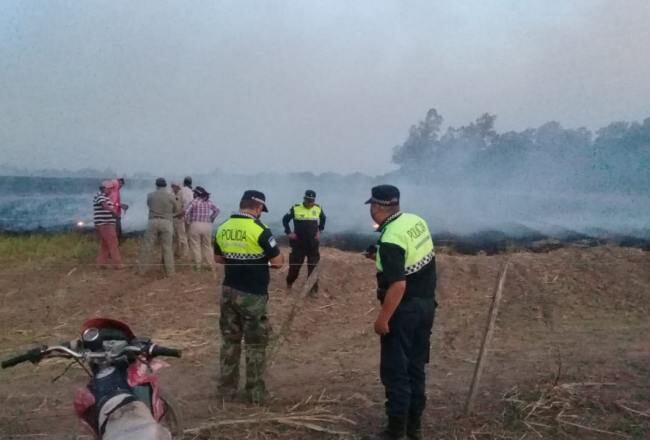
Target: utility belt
303	242
228	290
159	217
381	295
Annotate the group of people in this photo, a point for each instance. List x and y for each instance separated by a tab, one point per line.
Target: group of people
180	222
179	219
406	281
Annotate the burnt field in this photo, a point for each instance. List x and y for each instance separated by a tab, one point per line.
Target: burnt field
569	358
496	241
486	242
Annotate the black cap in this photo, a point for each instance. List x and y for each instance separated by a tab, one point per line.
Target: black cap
386	195
187	181
161	182
310	194
257	196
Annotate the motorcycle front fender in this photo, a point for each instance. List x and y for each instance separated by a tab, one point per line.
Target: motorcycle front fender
131	421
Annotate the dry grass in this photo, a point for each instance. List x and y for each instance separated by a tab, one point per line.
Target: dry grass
595	319
312	417
568	411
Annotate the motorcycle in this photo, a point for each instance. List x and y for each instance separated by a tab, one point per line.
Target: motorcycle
122	400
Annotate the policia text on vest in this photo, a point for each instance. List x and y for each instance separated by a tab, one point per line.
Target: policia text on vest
405	241
247	245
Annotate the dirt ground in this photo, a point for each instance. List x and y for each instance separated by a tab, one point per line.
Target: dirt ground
573	325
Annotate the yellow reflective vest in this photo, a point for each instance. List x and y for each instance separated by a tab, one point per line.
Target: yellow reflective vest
238	238
411	233
300	212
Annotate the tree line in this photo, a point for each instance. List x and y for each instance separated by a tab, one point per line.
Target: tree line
614	158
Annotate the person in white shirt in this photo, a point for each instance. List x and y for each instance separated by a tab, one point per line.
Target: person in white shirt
181	242
185	196
187	193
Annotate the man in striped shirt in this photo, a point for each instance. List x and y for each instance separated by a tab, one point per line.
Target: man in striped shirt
200	215
104	217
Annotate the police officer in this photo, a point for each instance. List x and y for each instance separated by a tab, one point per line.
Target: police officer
308	222
247	248
406	279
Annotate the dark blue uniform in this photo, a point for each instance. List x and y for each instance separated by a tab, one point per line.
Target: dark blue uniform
405	349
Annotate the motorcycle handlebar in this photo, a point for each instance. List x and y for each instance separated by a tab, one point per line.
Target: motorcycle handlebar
36	354
33	355
158	350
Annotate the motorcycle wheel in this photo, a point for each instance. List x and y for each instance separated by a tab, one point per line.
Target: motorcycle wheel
171	418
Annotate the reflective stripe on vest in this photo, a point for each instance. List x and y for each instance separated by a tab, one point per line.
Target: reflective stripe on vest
411	233
300	212
238	239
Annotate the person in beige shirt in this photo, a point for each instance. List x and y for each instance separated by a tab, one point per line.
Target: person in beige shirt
180	228
162	209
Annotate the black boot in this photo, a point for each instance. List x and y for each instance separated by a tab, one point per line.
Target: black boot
414	427
395	430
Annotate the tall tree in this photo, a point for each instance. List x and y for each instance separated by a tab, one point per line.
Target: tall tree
421	143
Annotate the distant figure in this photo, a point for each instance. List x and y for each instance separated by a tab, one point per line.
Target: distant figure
308	222
104	217
162	208
180	229
187	195
200	215
115	186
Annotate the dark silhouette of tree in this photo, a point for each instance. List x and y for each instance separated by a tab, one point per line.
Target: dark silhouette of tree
422	142
550	157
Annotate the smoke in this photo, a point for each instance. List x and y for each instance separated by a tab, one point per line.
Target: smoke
163	88
550	179
466	181
452	210
143	85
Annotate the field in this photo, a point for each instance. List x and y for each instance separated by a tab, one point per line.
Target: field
570	357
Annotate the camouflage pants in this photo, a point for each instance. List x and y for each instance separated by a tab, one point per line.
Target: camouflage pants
244	315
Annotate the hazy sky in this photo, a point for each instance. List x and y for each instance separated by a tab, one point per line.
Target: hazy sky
180	86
